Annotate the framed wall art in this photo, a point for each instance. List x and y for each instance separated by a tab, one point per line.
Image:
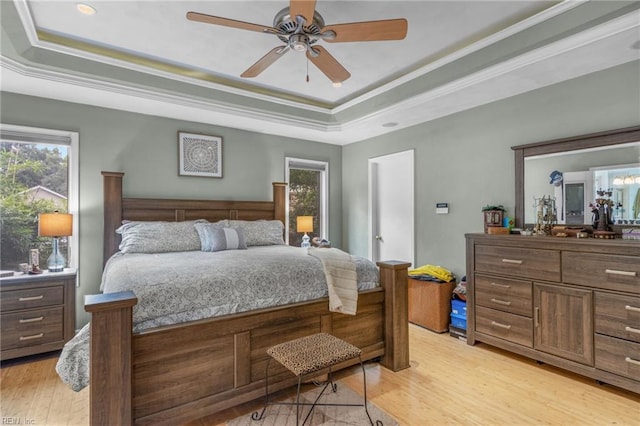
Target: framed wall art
200	155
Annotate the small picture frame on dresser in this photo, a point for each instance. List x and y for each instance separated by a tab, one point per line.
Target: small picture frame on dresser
34	257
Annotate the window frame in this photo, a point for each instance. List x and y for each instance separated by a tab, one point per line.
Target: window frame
323	168
35	135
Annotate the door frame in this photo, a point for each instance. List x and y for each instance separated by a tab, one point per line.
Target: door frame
371	211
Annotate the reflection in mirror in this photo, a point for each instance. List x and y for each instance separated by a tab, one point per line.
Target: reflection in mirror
624	183
581	174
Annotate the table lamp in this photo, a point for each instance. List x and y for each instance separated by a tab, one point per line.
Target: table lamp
305	224
55	225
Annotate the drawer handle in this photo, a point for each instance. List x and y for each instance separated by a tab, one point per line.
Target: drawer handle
632	330
27	299
501	302
497	324
514	261
632	308
501	285
632	361
623	273
33	336
24	321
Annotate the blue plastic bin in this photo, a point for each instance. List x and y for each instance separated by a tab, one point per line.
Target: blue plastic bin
459	321
458	307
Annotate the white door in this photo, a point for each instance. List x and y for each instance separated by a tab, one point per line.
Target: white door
391	207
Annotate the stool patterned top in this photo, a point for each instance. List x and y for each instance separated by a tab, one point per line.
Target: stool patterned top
312	353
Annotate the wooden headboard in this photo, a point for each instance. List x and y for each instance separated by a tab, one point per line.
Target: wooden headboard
117	208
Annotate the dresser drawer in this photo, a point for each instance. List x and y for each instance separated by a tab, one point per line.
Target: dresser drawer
504	294
610	272
32	327
618	356
617	315
514	328
32	298
520	262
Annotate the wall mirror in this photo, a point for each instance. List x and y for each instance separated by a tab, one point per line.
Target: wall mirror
607	160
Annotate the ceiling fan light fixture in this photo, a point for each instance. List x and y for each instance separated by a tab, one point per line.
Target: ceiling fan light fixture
337	84
299	42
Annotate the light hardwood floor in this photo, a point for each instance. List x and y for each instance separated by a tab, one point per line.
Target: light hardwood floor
449	383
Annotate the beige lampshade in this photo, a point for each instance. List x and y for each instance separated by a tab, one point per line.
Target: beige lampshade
55	225
304	223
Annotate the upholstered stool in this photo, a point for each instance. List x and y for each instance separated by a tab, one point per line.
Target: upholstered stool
311	354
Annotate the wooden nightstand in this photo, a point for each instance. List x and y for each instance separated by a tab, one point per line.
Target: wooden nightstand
38	312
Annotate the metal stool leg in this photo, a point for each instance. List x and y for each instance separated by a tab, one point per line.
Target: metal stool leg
364	385
254	415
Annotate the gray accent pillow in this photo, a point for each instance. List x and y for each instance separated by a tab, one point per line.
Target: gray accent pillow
260	232
159	236
217	237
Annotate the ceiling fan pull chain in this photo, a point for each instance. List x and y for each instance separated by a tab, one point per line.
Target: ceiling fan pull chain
307	70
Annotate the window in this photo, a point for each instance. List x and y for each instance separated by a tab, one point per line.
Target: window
308	196
38	174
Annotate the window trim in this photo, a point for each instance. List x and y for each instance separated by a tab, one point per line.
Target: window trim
24	134
316	165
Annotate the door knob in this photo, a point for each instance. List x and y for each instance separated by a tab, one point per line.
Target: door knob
379	237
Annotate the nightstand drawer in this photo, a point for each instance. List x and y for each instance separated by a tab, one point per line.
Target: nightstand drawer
32	298
514	328
507	295
32	327
617	315
520	262
618	356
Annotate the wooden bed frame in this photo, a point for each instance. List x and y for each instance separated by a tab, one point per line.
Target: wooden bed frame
174	374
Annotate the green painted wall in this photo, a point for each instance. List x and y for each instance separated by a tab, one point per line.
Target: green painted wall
465	159
146	149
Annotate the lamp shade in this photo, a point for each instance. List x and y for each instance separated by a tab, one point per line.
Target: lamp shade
55	224
304	223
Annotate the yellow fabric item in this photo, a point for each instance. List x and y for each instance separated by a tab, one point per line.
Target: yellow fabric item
435	271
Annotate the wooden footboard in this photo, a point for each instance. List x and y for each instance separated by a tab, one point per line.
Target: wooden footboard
173	374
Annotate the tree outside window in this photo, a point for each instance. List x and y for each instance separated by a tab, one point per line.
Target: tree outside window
307	181
33	180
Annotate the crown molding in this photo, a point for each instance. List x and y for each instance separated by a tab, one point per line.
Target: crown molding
459	95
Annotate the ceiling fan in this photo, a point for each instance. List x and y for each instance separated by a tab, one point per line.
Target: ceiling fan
300	27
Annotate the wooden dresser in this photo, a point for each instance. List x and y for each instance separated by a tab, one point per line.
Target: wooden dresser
37	312
573	303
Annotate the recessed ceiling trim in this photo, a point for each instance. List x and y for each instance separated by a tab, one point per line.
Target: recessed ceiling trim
59	44
364	126
47	41
91	83
474	47
619	25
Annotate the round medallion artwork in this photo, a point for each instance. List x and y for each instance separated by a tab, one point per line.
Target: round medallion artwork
200	156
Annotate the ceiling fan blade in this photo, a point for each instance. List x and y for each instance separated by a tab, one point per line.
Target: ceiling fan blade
264	62
305	8
328	64
216	20
391	29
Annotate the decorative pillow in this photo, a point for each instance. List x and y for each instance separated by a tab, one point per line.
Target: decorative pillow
158	236
216	238
260	232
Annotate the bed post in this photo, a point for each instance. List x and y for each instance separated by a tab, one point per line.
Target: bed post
112	191
280	201
393	278
111	360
